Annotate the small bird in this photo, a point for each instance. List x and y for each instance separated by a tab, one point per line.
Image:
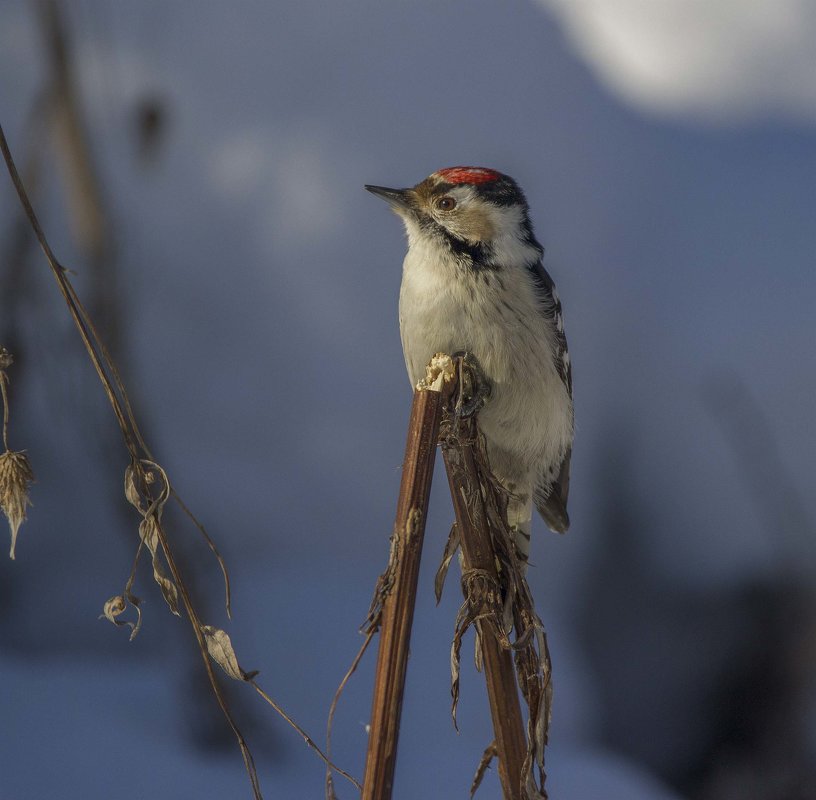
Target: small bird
473	281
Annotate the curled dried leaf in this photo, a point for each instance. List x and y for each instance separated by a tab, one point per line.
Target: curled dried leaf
491	752
6	359
16	476
139	479
131	492
135	602
455	659
149	533
114	607
220	648
168	588
451	546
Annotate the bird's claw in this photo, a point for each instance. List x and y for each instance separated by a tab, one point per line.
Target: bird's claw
474	387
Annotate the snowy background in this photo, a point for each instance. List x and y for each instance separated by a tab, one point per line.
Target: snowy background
668	150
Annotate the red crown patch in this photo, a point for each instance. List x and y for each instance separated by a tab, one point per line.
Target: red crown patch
468	174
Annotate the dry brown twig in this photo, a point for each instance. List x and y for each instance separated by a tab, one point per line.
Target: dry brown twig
396	591
497	603
147	488
392	606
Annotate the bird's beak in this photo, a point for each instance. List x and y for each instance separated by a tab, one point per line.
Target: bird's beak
398	199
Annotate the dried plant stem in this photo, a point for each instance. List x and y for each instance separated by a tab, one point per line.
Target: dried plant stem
66	290
478	555
398	604
305	736
196	624
4	392
120	404
117	392
330	795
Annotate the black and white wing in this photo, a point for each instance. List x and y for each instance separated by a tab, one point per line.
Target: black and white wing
552	489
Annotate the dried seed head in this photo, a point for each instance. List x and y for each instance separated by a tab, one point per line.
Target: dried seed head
5	358
15	478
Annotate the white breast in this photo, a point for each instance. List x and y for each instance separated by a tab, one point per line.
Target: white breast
445	307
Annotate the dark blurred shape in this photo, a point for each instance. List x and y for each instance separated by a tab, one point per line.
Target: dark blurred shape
770	483
203	722
712	689
91	226
17	245
759	712
150	122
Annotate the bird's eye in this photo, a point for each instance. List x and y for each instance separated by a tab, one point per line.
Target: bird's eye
446	203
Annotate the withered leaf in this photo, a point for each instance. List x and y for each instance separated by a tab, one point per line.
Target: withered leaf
131	492
113	608
116	606
168	588
221	651
491	752
141	497
454	668
451	546
149	531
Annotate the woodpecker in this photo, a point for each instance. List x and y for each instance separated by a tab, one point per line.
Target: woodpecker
473	280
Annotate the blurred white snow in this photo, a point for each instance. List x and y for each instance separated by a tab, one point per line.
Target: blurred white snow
718	60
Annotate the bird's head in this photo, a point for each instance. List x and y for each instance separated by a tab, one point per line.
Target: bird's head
473	212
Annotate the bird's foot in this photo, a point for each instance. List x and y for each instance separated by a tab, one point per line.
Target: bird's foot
474	388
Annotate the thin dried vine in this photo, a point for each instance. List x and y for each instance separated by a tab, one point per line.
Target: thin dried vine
147	488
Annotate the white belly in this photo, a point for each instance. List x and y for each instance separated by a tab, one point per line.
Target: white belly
494	315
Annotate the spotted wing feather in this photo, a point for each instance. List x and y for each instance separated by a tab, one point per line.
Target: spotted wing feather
552	491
